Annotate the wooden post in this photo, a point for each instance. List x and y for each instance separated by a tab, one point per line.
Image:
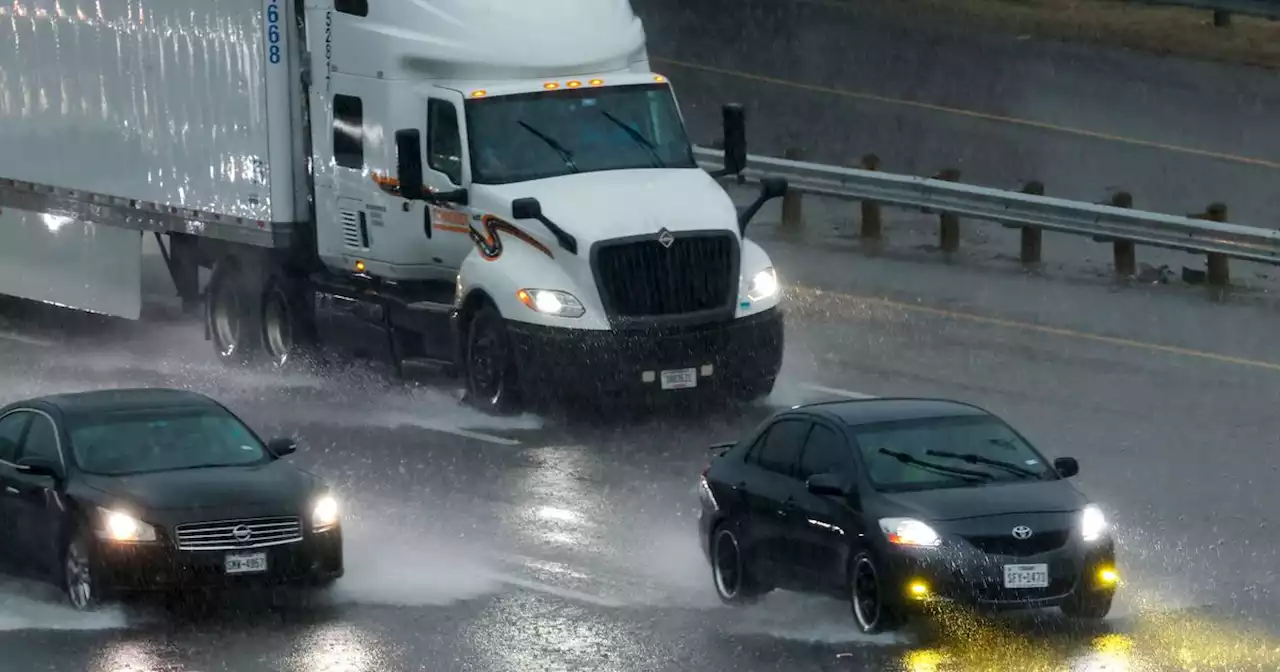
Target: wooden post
1124	251
871	222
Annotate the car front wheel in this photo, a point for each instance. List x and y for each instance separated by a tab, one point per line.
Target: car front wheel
873	610
80	581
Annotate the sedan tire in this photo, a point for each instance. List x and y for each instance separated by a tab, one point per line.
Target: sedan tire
734	578
873	609
79	578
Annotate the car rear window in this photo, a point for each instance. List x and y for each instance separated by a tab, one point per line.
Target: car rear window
926	441
133	442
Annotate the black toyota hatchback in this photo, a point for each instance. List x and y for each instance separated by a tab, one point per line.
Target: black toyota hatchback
142	489
894	504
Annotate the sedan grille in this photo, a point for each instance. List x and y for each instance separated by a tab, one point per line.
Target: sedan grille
1006	544
227	535
642	278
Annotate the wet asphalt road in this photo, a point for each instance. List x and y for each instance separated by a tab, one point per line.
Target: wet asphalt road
568	543
842	78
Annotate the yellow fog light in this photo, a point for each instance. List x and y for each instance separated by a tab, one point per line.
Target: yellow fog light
1108	576
918	589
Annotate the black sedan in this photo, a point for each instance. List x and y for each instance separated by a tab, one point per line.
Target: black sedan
896	504
143	489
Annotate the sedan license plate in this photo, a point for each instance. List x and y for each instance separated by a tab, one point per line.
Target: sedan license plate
1026	576
246	563
679	379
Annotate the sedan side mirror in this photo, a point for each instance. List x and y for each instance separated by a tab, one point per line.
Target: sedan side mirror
36	466
1066	466
828	484
282	446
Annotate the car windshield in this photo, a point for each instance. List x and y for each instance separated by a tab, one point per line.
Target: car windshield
947	452
135	442
546	134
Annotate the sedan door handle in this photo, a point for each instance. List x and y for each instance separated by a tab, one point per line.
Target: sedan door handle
737	487
788	507
10	490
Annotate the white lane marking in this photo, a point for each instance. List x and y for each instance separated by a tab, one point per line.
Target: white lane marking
850	394
556	591
457	431
29	340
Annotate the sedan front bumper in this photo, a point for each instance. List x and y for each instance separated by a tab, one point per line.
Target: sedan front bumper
316	559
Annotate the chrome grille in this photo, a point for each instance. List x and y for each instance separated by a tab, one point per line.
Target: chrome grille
227	535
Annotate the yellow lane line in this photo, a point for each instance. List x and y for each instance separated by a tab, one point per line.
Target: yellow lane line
1071	333
1042	125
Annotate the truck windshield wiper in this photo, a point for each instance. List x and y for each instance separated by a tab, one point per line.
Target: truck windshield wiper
978	459
638	137
565	154
964	474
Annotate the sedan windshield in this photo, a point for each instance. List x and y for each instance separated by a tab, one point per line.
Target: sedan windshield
546	134
947	452
135	442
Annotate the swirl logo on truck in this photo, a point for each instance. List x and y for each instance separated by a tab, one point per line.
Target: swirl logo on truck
490	245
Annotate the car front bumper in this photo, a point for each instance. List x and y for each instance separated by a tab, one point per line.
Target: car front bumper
970	577
742	354
316	559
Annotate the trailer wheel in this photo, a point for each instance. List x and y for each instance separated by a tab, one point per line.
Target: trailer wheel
492	384
233	314
287	328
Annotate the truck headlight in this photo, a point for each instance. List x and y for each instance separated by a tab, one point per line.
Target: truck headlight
1092	523
324	515
763	285
552	302
117	526
909	532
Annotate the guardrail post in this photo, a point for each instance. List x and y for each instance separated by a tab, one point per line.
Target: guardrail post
1032	236
949	224
1124	252
871	222
792	210
1219	270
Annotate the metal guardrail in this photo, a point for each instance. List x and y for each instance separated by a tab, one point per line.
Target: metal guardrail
1264	8
1104	223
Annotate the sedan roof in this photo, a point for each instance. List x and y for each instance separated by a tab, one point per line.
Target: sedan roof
854	412
122	399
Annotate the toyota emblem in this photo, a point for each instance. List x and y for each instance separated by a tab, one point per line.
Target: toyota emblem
242	533
666	238
1022	532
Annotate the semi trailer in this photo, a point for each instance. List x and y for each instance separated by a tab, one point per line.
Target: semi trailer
503	189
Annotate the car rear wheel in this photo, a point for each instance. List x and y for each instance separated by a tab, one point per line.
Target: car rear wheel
79	578
873	611
1093	607
735	580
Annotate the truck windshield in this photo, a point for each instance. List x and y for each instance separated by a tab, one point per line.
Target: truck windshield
546	134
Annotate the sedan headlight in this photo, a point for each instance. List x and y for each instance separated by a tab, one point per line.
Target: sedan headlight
763	285
1092	523
552	302
909	532
117	526
324	515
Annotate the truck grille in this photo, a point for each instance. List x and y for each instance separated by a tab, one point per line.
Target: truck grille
237	534
641	278
1006	544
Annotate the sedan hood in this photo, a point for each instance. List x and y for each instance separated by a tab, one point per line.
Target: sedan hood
988	500
275	483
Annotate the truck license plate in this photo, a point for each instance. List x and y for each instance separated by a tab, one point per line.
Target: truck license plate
679	379
246	563
1026	576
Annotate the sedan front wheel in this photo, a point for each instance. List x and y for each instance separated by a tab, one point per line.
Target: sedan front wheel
80	581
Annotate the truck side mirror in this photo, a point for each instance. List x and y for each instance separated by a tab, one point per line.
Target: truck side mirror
531	208
409	163
526	208
770	188
735	139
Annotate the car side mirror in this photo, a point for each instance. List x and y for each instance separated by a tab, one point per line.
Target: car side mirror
38	466
409	163
282	446
828	484
1066	466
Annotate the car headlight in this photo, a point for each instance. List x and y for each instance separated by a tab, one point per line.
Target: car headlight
1092	523
117	526
763	285
909	532
552	302
324	515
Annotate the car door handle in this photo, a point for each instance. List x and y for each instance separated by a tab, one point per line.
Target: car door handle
10	490
788	507
739	486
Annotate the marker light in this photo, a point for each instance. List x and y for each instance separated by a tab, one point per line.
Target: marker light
596	82
574	84
909	532
117	526
1092	523
551	85
359	266
659	79
325	514
479	93
551	302
763	285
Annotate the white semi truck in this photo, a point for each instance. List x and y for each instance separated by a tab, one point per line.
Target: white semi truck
502	188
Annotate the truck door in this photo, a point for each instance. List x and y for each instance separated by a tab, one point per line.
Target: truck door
447	169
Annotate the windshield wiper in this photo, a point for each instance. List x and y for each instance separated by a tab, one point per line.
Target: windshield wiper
638	137
978	459
565	154
965	474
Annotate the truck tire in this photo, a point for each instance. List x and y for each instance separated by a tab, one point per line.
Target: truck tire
233	313
490	366
288	329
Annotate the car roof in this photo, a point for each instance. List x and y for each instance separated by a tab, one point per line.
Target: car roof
120	399
855	412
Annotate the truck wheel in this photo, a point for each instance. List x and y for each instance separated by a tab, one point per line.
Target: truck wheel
287	329
233	314
490	365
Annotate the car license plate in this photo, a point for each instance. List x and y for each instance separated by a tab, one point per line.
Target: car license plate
1026	576
679	379
246	563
